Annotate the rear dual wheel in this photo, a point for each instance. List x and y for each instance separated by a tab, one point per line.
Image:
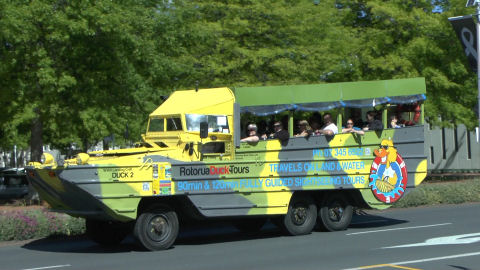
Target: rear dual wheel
301	216
335	213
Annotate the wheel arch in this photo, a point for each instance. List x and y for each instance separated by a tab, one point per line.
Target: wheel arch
352	195
180	204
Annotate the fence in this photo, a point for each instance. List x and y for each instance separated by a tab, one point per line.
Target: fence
452	150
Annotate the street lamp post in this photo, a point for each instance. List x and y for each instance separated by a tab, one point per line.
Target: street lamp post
477	14
478	69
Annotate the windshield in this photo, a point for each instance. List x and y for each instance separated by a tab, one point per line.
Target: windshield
174	123
156	125
216	123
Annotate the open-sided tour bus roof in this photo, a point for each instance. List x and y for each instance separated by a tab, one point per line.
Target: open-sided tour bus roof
317	97
203	101
266	100
288	94
328	92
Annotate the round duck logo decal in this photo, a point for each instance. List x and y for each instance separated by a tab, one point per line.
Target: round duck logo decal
388	174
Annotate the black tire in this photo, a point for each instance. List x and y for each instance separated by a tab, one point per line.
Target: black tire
157	228
335	213
106	233
250	225
301	216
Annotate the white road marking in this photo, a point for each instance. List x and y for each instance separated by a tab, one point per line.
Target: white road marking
48	267
426	260
446	240
403	228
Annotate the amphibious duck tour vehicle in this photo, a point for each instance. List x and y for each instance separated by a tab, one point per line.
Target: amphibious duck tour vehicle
191	164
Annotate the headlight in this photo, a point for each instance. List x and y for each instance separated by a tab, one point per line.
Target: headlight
47	159
82	158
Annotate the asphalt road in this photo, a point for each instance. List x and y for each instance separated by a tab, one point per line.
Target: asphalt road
441	237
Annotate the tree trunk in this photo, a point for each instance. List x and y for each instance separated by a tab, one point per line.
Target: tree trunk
36	141
105	145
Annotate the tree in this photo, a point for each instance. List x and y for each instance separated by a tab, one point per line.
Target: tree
82	69
78	71
243	42
407	39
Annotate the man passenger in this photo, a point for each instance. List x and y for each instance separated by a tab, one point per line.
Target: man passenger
252	134
329	127
373	123
279	133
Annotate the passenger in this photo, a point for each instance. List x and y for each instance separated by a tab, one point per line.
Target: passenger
394	122
279	133
305	129
373	123
262	128
351	128
329	128
315	128
252	134
357	118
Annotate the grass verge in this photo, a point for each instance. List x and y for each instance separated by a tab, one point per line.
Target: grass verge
432	193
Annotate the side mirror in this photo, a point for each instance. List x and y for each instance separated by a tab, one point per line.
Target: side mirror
203	130
190	151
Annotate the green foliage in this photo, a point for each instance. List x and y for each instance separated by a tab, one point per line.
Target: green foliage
89	68
86	66
29	224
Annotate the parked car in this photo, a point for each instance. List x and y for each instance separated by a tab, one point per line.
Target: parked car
13	183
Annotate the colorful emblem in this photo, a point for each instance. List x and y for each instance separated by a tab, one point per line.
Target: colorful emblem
388	174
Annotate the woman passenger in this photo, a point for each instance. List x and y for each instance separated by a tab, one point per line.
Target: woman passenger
351	128
394	122
305	129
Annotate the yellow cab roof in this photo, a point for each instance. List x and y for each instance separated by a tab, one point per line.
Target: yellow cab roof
203	101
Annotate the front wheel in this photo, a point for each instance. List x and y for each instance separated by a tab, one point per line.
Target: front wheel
335	213
157	228
301	216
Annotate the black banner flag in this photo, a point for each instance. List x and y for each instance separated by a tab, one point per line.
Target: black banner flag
467	33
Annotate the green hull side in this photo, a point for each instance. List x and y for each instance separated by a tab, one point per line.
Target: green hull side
259	181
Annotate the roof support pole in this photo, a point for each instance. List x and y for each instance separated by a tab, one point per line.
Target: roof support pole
290	123
422	115
385	118
340	119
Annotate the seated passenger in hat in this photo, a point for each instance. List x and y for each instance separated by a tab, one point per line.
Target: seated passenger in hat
252	134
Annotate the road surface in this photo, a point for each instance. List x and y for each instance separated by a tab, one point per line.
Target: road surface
439	237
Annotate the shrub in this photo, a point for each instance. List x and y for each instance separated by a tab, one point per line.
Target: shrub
28	224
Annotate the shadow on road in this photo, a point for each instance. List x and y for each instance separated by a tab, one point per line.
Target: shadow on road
198	234
203	233
79	245
362	219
